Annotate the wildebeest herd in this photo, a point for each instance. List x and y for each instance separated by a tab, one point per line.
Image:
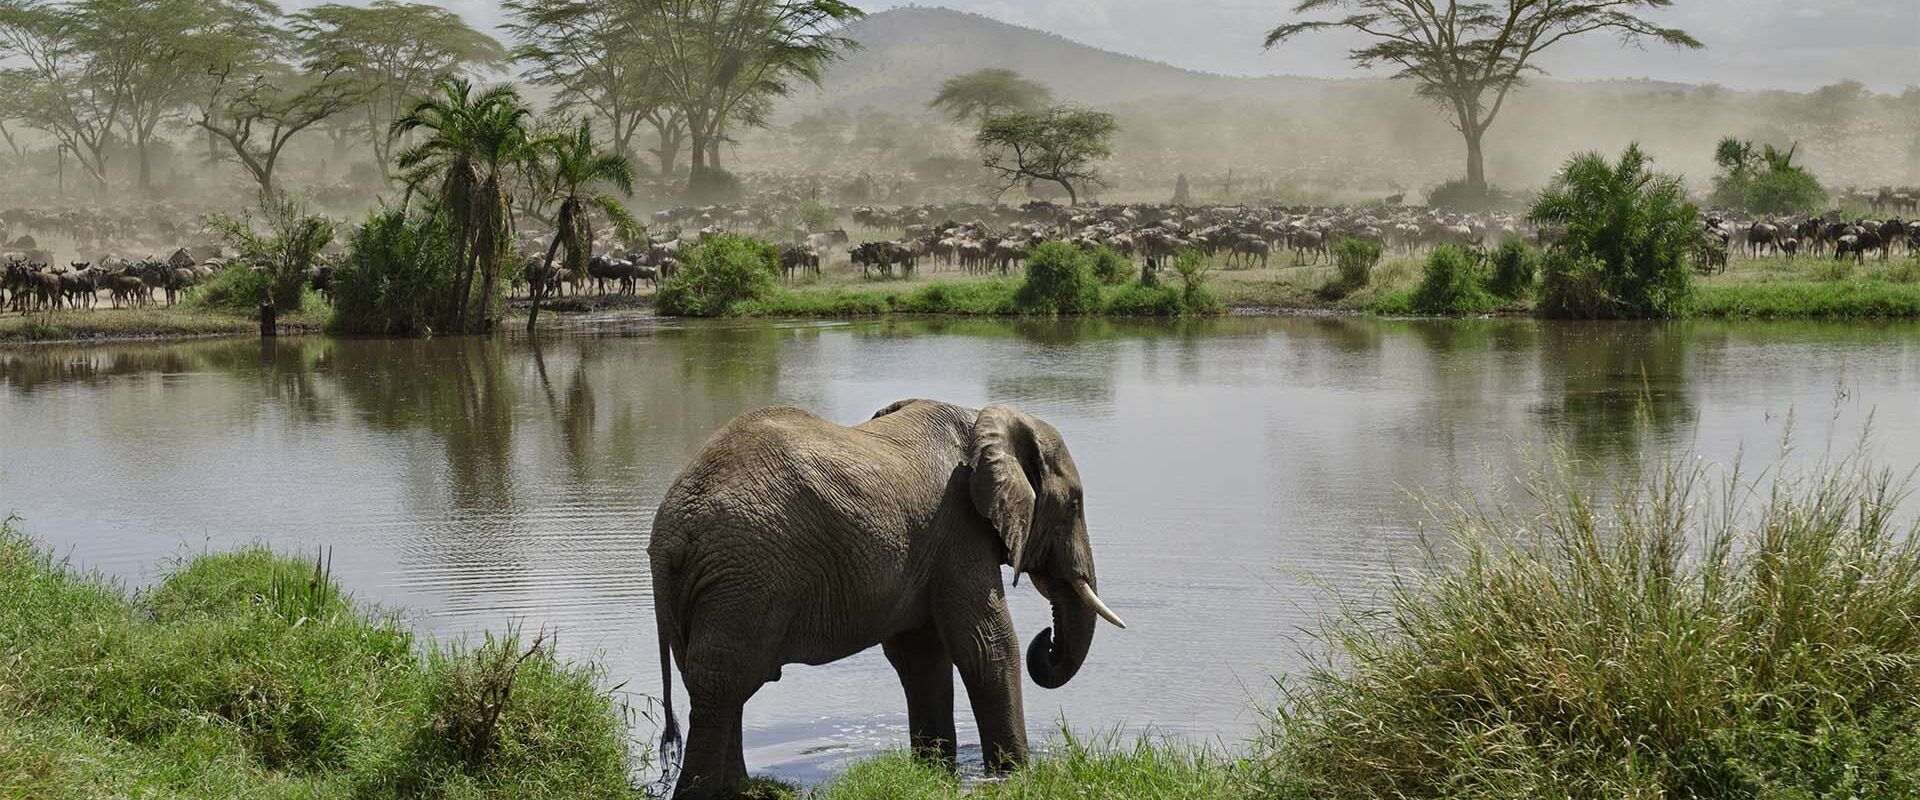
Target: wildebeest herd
975	238
33	285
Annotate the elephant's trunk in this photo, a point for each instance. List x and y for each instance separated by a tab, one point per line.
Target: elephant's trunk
1057	653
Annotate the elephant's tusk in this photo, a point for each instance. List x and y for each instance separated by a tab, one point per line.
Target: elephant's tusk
1086	594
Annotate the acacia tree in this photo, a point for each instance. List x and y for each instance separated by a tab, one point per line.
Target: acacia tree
983	93
586	49
1059	145
71	94
1469	57
154	46
391	53
722	61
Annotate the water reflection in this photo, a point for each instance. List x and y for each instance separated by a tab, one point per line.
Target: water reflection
482	481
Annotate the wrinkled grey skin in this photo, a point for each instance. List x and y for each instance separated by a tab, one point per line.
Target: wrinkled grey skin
793	540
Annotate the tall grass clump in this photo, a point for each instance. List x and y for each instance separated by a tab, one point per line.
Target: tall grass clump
1626	232
249	674
1060	280
399	277
720	273
1680	636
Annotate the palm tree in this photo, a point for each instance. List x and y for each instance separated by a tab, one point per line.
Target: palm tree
574	168
471	140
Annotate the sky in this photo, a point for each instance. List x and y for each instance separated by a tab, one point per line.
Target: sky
1751	44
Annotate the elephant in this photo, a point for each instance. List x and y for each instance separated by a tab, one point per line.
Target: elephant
792	540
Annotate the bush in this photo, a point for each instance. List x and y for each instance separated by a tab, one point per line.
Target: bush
812	215
283	253
1192	267
713	185
1111	267
1453	284
399	277
1628	233
1457	195
1136	300
1516	265
1574	644
1059	280
720	273
1354	260
1764	181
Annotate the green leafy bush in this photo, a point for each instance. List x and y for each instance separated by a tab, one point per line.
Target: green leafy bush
1453	283
398	277
1111	267
282	245
1516	265
1764	180
1628	233
1192	267
1059	280
812	215
1136	300
720	273
1458	195
1354	260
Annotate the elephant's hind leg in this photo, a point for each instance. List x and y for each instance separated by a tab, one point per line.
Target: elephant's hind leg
926	673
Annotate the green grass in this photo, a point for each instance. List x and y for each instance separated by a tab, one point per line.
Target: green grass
247	674
1073	769
1677	637
990	297
1845	299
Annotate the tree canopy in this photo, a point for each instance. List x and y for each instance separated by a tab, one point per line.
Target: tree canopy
1060	145
983	93
1469	57
1763	180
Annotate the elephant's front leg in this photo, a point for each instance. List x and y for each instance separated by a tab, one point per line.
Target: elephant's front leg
926	673
986	650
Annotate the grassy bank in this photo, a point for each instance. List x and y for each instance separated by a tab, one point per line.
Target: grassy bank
1676	636
1835	300
143	323
248	675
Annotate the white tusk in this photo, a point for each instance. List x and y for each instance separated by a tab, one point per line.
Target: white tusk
1086	594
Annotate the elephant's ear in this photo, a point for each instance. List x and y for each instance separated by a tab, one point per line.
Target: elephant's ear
1002	493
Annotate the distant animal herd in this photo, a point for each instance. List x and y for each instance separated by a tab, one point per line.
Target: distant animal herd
971	238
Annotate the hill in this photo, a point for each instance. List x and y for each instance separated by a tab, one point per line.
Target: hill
906	52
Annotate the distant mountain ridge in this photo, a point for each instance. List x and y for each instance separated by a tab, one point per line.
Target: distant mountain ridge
907	52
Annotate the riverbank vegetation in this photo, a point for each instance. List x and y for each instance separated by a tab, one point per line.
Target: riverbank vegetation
1679	633
246	674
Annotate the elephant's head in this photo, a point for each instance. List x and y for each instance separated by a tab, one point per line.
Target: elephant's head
1025	483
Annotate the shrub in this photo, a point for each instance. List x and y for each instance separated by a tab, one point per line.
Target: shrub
1059	280
1136	300
1579	644
399	276
1764	180
812	215
1452	284
1627	229
720	273
1111	267
1354	260
1516	264
283	252
713	185
1458	195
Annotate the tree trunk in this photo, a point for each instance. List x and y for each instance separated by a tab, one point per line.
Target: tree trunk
1476	160
540	291
1073	197
144	146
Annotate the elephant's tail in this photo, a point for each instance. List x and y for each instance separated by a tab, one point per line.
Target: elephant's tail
670	742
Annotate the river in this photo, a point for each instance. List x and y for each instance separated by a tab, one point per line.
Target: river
1236	469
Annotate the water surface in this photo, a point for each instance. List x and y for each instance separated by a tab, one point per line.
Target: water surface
1234	467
